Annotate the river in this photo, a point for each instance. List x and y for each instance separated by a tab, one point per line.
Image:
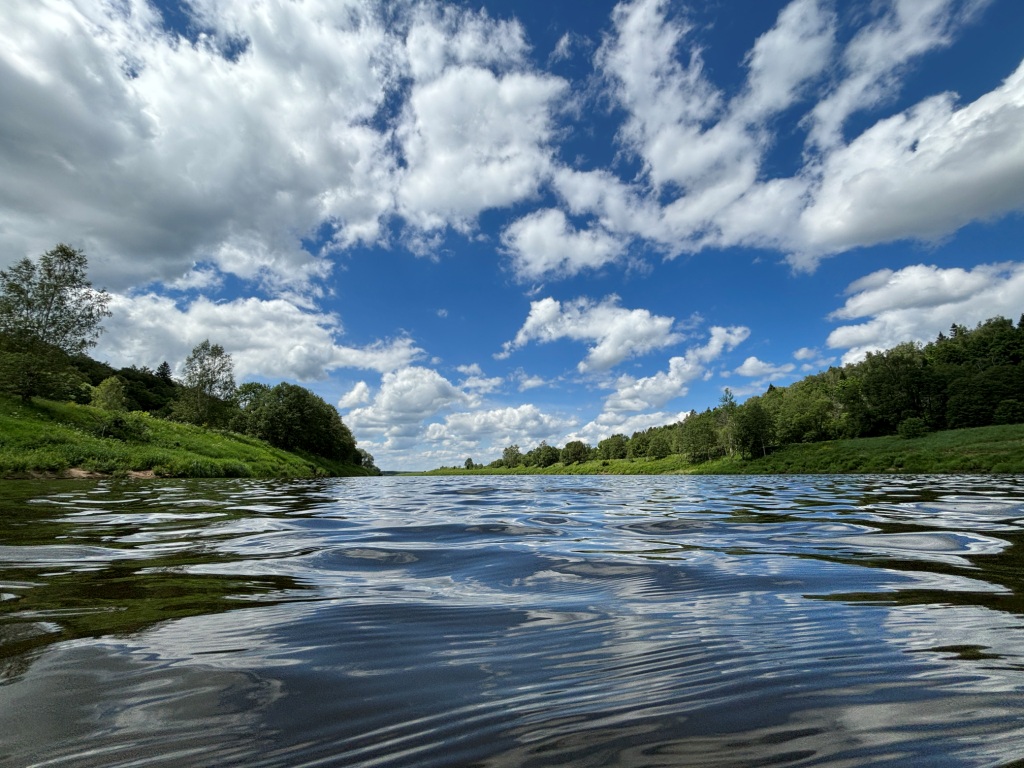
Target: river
513	621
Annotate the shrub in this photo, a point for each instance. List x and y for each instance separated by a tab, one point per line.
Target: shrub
912	427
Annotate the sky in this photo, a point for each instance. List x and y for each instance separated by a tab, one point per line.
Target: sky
472	224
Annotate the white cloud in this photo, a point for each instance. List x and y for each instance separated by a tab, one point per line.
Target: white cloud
619	333
784	58
358	395
873	59
406	399
269	338
525	425
632	394
527	381
474	140
805	353
922	174
759	369
919	302
190	156
544	243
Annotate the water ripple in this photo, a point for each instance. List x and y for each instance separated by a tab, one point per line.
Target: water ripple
527	621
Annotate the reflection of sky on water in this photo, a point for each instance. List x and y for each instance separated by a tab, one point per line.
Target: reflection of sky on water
546	619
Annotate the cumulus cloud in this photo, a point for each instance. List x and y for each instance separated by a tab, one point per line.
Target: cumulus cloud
475	130
270	338
288	121
619	333
405	400
919	302
524	425
650	392
358	395
158	152
754	368
544	243
922	174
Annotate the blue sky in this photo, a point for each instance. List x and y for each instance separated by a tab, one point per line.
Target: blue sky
481	223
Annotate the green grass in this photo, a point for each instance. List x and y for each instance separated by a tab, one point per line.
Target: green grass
48	438
985	450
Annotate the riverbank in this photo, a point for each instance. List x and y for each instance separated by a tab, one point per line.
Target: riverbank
983	450
48	439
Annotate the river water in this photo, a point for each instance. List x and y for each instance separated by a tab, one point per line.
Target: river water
513	621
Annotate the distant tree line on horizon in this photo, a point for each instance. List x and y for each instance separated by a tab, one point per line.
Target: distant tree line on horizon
969	378
50	315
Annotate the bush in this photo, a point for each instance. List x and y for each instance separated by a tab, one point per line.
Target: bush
126	427
912	427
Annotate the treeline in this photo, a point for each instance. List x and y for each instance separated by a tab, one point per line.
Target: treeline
970	378
50	315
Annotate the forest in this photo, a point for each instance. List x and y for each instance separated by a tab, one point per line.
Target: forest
972	377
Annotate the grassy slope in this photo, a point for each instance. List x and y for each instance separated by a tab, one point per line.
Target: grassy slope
45	437
983	450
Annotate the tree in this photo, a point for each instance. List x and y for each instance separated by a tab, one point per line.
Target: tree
755	430
209	382
53	301
469	464
163	372
293	418
546	455
658	447
511	456
614	447
49	312
574	452
109	394
367	462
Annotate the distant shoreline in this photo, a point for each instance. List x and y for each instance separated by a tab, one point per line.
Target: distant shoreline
980	450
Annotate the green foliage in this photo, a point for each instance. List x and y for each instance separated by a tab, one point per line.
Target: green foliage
658	447
367	463
50	437
209	384
511	456
293	418
614	447
49	312
109	395
543	455
1009	412
122	426
575	452
912	427
52	300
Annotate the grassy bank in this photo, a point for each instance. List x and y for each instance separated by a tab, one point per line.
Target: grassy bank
985	450
47	438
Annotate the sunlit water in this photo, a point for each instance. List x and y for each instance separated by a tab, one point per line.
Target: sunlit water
515	621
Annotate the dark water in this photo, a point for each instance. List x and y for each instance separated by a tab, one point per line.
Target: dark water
513	622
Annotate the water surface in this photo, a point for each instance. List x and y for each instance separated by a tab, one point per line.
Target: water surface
513	621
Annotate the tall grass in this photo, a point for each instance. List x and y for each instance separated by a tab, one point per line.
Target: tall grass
43	437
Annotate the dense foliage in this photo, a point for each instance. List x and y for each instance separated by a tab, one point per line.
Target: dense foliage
293	418
49	312
970	378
